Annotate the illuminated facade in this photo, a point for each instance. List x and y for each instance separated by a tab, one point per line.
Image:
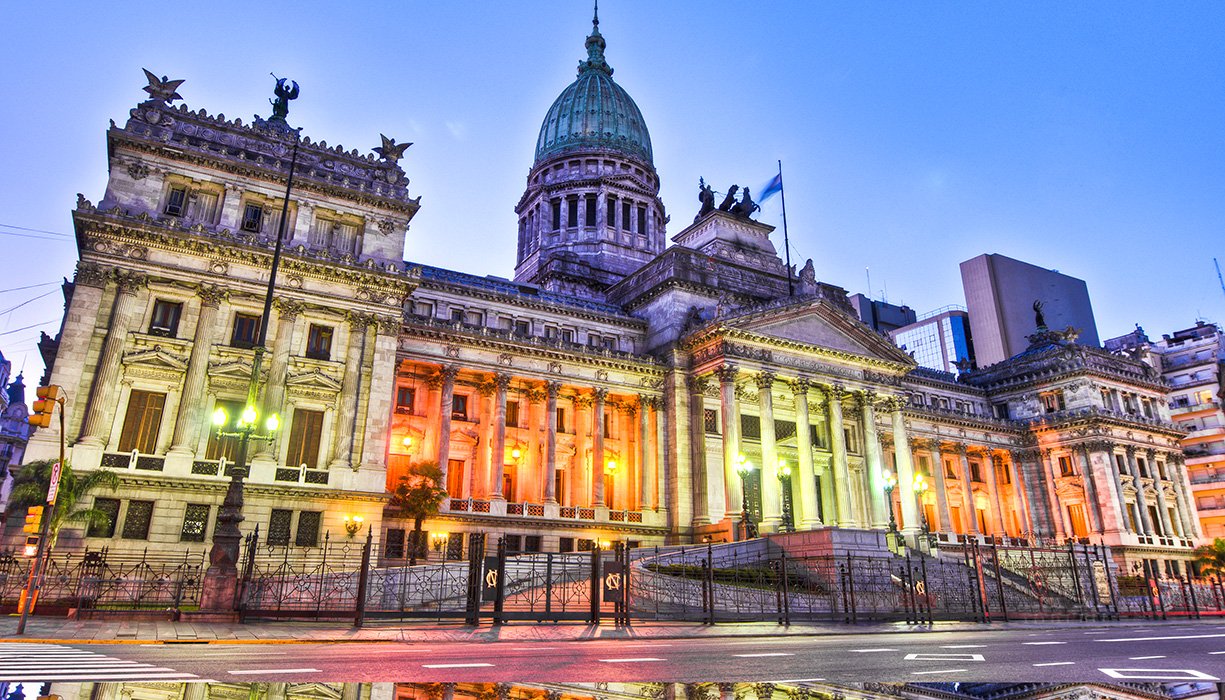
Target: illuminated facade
616	389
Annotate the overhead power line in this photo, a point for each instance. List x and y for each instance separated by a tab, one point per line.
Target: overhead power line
37	230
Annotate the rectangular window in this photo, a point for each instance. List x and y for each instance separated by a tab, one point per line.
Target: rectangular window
571	212
976	472
308	528
550	332
304	437
567	335
710	420
1065	466
393	544
459	407
625	216
176	204
457	315
561	419
105	526
593	340
591	209
278	527
556	206
142	422
136	521
610	343
252	218
612	213
424	308
195	523
642	221
165	321
227	447
475	318
319	342
455	478
523	328
512	414
532	543
405	397
246	330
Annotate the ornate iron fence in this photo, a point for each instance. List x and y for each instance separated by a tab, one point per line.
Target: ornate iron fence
104	580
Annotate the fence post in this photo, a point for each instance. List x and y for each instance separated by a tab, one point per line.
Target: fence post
908	597
1097	613
999	578
927	596
596	591
548	584
499	597
786	590
625	585
363	577
1080	596
850	577
248	571
323	572
475	559
1194	600
709	579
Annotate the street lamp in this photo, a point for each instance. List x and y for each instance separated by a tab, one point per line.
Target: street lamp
890	484
744	467
920	488
784	475
221	578
353	523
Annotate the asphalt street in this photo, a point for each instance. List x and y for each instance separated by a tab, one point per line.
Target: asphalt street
1161	652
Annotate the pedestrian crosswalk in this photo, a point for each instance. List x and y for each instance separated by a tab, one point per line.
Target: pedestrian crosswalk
38	663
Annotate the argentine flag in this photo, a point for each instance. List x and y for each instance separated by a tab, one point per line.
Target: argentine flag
772	188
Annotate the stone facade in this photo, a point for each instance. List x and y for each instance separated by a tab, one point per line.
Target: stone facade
15	429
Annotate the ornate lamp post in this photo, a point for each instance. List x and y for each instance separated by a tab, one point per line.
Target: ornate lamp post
893	535
920	488
784	475
221	577
744	467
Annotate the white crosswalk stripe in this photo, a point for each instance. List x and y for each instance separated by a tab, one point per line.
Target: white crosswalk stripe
38	663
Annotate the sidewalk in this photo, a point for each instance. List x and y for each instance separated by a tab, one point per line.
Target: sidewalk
61	630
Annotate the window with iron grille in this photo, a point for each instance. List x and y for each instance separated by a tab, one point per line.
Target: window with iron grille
513	543
319	342
308	528
1065	466
750	427
252	218
108	507
532	543
246	330
142	422
710	420
278	527
565	544
784	429
177	201
165	321
195	522
136	520
393	544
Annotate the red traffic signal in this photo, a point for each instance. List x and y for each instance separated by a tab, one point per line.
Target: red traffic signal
48	396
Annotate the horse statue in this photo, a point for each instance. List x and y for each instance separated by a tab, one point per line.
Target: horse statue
730	199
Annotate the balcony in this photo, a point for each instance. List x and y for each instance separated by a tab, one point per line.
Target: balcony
133	460
549	512
1203	406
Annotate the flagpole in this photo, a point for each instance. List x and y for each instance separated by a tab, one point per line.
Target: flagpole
782	193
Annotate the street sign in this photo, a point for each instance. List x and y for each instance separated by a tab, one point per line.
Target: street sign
54	489
614	582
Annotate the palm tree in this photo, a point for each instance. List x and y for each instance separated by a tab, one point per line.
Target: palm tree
1211	558
418	496
30	485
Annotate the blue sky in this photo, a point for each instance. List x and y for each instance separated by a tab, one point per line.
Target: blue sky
1087	137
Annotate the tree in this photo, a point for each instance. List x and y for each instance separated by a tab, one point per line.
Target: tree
418	496
1211	558
32	481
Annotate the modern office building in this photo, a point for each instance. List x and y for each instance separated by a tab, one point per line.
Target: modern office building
939	340
1000	296
881	316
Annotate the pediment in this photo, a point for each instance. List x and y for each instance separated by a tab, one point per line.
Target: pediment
155	357
312	690
314	379
240	369
816	323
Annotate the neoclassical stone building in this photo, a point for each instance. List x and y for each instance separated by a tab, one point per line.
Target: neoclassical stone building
619	387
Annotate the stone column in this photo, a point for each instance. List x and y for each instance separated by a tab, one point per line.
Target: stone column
188	421
446	403
501	382
943	514
702	496
1117	480
580	484
646	475
905	471
106	691
195	691
990	464
597	448
1163	512
105	388
967	481
809	515
353	691
837	441
480	480
278	369
1091	492
346	418
874	463
1018	494
1146	521
1042	519
730	414
550	461
1182	483
658	407
771	495
380	396
276	691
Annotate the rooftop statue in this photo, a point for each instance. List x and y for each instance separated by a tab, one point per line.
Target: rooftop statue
280	106
730	199
1039	319
162	89
746	206
391	151
707	197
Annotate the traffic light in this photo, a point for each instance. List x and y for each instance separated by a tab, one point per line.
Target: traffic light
34	520
44	406
31	548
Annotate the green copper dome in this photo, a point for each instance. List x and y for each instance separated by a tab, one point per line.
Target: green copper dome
594	112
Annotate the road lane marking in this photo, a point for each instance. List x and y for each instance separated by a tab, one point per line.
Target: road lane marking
947	670
44	676
1216	652
945	657
868	651
800	680
1158	674
534	648
1039	644
1142	658
1057	663
477	665
404	651
256	672
1157	639
755	656
629	661
962	646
